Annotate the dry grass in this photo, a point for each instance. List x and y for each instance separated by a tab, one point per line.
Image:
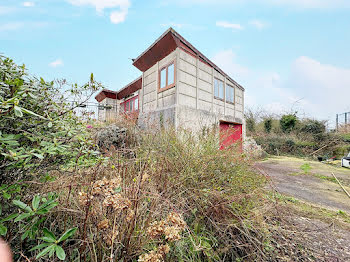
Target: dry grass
168	196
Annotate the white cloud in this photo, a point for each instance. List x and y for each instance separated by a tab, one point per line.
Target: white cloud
311	88
258	24
58	62
28	4
324	86
229	25
116	16
227	61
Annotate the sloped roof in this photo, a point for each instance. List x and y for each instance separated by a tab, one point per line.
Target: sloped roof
166	44
105	93
130	88
124	92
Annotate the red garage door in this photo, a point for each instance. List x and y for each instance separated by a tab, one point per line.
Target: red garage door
229	134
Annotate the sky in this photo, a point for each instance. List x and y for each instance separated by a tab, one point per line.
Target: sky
289	55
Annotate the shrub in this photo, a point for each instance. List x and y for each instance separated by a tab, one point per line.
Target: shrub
37	126
170	195
288	122
39	133
268	125
250	125
312	126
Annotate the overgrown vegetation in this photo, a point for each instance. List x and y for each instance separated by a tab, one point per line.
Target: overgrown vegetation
290	135
157	196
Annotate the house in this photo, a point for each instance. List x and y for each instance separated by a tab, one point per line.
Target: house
179	87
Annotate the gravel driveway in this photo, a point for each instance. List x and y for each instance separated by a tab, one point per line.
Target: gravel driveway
315	185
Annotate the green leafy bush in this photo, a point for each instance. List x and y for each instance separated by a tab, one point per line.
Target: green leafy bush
37	125
250	125
39	132
288	122
52	245
310	126
268	125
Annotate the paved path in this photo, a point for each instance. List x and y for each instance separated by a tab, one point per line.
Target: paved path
288	178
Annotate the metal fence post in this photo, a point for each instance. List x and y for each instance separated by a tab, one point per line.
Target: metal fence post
337	123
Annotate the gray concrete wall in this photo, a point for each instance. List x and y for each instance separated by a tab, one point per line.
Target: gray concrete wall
191	103
157	108
196	107
108	114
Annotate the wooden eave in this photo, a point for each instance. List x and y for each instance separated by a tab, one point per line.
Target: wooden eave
130	88
165	45
105	93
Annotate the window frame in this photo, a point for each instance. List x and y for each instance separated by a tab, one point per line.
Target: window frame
167	86
223	89
131	101
233	97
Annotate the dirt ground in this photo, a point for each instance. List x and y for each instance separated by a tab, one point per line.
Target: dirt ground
315	186
322	235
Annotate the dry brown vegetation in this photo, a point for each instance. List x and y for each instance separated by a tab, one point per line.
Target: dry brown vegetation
167	196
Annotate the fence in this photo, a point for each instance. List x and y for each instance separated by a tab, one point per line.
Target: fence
343	121
93	111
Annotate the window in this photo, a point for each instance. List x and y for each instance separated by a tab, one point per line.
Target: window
218	89
131	105
230	94
163	78
136	104
171	74
167	77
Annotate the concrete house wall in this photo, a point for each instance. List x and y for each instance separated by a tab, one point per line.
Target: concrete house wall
190	104
196	91
156	108
110	109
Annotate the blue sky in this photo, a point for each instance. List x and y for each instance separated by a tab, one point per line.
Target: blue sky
288	54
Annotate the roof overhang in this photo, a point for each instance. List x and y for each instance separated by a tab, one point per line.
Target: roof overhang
162	47
166	44
105	93
130	88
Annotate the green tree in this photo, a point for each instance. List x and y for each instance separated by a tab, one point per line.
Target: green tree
288	122
251	125
313	126
268	125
